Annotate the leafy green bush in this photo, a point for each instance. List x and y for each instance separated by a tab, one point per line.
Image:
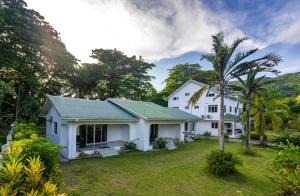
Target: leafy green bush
22	175
23	130
129	146
256	136
286	138
177	142
222	163
286	170
48	152
160	143
207	134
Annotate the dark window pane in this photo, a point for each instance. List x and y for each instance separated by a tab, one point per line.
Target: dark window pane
90	134
97	133
104	133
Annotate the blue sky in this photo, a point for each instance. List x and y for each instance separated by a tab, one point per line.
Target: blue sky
175	31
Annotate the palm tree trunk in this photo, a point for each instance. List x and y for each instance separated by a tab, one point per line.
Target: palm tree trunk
221	122
248	123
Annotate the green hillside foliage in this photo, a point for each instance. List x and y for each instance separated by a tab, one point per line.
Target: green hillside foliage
286	85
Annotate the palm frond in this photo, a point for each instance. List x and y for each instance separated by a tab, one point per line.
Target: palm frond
195	97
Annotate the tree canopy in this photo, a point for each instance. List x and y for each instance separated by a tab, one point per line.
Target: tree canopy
113	75
33	57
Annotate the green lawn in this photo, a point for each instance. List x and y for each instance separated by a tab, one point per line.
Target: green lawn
179	172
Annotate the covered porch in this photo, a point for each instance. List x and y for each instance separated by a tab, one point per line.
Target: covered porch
167	131
91	138
233	129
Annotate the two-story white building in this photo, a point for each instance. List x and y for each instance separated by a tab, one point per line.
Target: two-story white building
208	109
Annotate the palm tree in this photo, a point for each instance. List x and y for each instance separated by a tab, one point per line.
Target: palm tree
265	109
251	85
227	68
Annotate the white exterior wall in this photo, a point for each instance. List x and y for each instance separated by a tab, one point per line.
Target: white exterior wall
62	131
116	132
203	102
172	130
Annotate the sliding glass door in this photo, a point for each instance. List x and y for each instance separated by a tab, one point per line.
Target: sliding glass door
93	134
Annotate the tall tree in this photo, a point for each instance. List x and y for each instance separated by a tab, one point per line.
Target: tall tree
226	67
114	75
248	87
265	112
32	56
181	73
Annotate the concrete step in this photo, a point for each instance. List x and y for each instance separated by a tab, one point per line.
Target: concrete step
107	152
188	139
170	146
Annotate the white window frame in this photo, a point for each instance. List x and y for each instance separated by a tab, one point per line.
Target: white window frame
196	107
214	125
175	98
187	94
187	107
212	108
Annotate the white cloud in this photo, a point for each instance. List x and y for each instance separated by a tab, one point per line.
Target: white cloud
166	30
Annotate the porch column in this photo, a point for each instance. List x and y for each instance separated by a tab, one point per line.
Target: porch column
72	141
131	132
181	130
233	130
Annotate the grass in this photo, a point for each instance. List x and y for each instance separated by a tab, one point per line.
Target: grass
179	172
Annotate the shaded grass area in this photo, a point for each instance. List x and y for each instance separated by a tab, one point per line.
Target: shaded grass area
179	172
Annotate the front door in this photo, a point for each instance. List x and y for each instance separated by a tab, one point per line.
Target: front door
153	133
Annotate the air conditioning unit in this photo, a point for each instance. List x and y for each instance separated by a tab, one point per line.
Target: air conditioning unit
208	116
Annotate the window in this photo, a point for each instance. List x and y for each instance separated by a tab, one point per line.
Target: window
153	133
94	133
196	107
193	126
214	125
240	110
235	109
224	108
230	109
176	107
186	126
210	94
187	94
212	108
187	107
55	128
175	98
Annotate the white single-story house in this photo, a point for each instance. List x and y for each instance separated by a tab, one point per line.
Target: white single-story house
81	125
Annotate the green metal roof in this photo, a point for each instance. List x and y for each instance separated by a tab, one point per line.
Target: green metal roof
82	109
231	117
152	111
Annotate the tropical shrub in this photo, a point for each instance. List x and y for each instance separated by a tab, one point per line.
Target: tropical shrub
206	134
256	136
177	142
222	163
226	137
129	145
23	130
22	175
286	170
41	147
160	143
286	138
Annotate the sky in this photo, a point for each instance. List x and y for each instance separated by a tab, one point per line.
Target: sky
169	32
